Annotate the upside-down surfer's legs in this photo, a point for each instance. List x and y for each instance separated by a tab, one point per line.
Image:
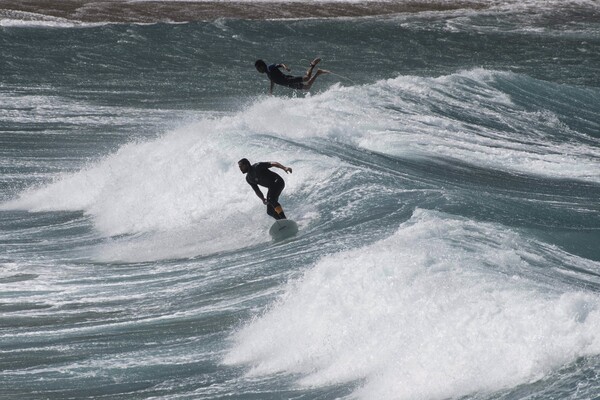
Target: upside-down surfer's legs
309	71
308	84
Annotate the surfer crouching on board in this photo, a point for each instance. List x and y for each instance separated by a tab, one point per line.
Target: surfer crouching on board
294	82
260	174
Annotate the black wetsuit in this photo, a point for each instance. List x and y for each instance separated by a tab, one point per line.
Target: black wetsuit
260	174
278	77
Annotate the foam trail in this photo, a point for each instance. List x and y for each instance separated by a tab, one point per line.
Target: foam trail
422	313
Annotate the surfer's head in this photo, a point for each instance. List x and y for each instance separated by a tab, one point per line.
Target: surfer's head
244	165
261	66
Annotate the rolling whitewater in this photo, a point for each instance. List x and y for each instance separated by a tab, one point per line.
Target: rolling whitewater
446	189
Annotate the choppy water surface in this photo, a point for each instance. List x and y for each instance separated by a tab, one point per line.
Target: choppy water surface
446	183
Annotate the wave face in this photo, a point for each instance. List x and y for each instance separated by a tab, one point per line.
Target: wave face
421	313
445	180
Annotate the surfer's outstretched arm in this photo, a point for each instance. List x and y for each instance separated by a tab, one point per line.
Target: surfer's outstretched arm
278	165
271	88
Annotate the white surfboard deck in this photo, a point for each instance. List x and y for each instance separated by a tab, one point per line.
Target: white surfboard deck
283	229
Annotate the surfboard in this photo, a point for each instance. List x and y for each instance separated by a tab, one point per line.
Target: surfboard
283	229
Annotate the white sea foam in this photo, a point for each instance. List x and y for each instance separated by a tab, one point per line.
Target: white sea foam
440	309
24	19
181	194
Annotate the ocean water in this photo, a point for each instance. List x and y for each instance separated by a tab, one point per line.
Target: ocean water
446	181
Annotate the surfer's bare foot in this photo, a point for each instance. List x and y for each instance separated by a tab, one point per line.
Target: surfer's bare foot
322	71
315	62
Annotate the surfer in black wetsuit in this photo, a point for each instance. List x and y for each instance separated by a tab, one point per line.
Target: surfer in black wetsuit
294	82
260	174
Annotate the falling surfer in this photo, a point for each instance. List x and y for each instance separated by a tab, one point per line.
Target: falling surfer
260	174
295	82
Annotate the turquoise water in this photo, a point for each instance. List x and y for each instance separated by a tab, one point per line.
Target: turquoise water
446	179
